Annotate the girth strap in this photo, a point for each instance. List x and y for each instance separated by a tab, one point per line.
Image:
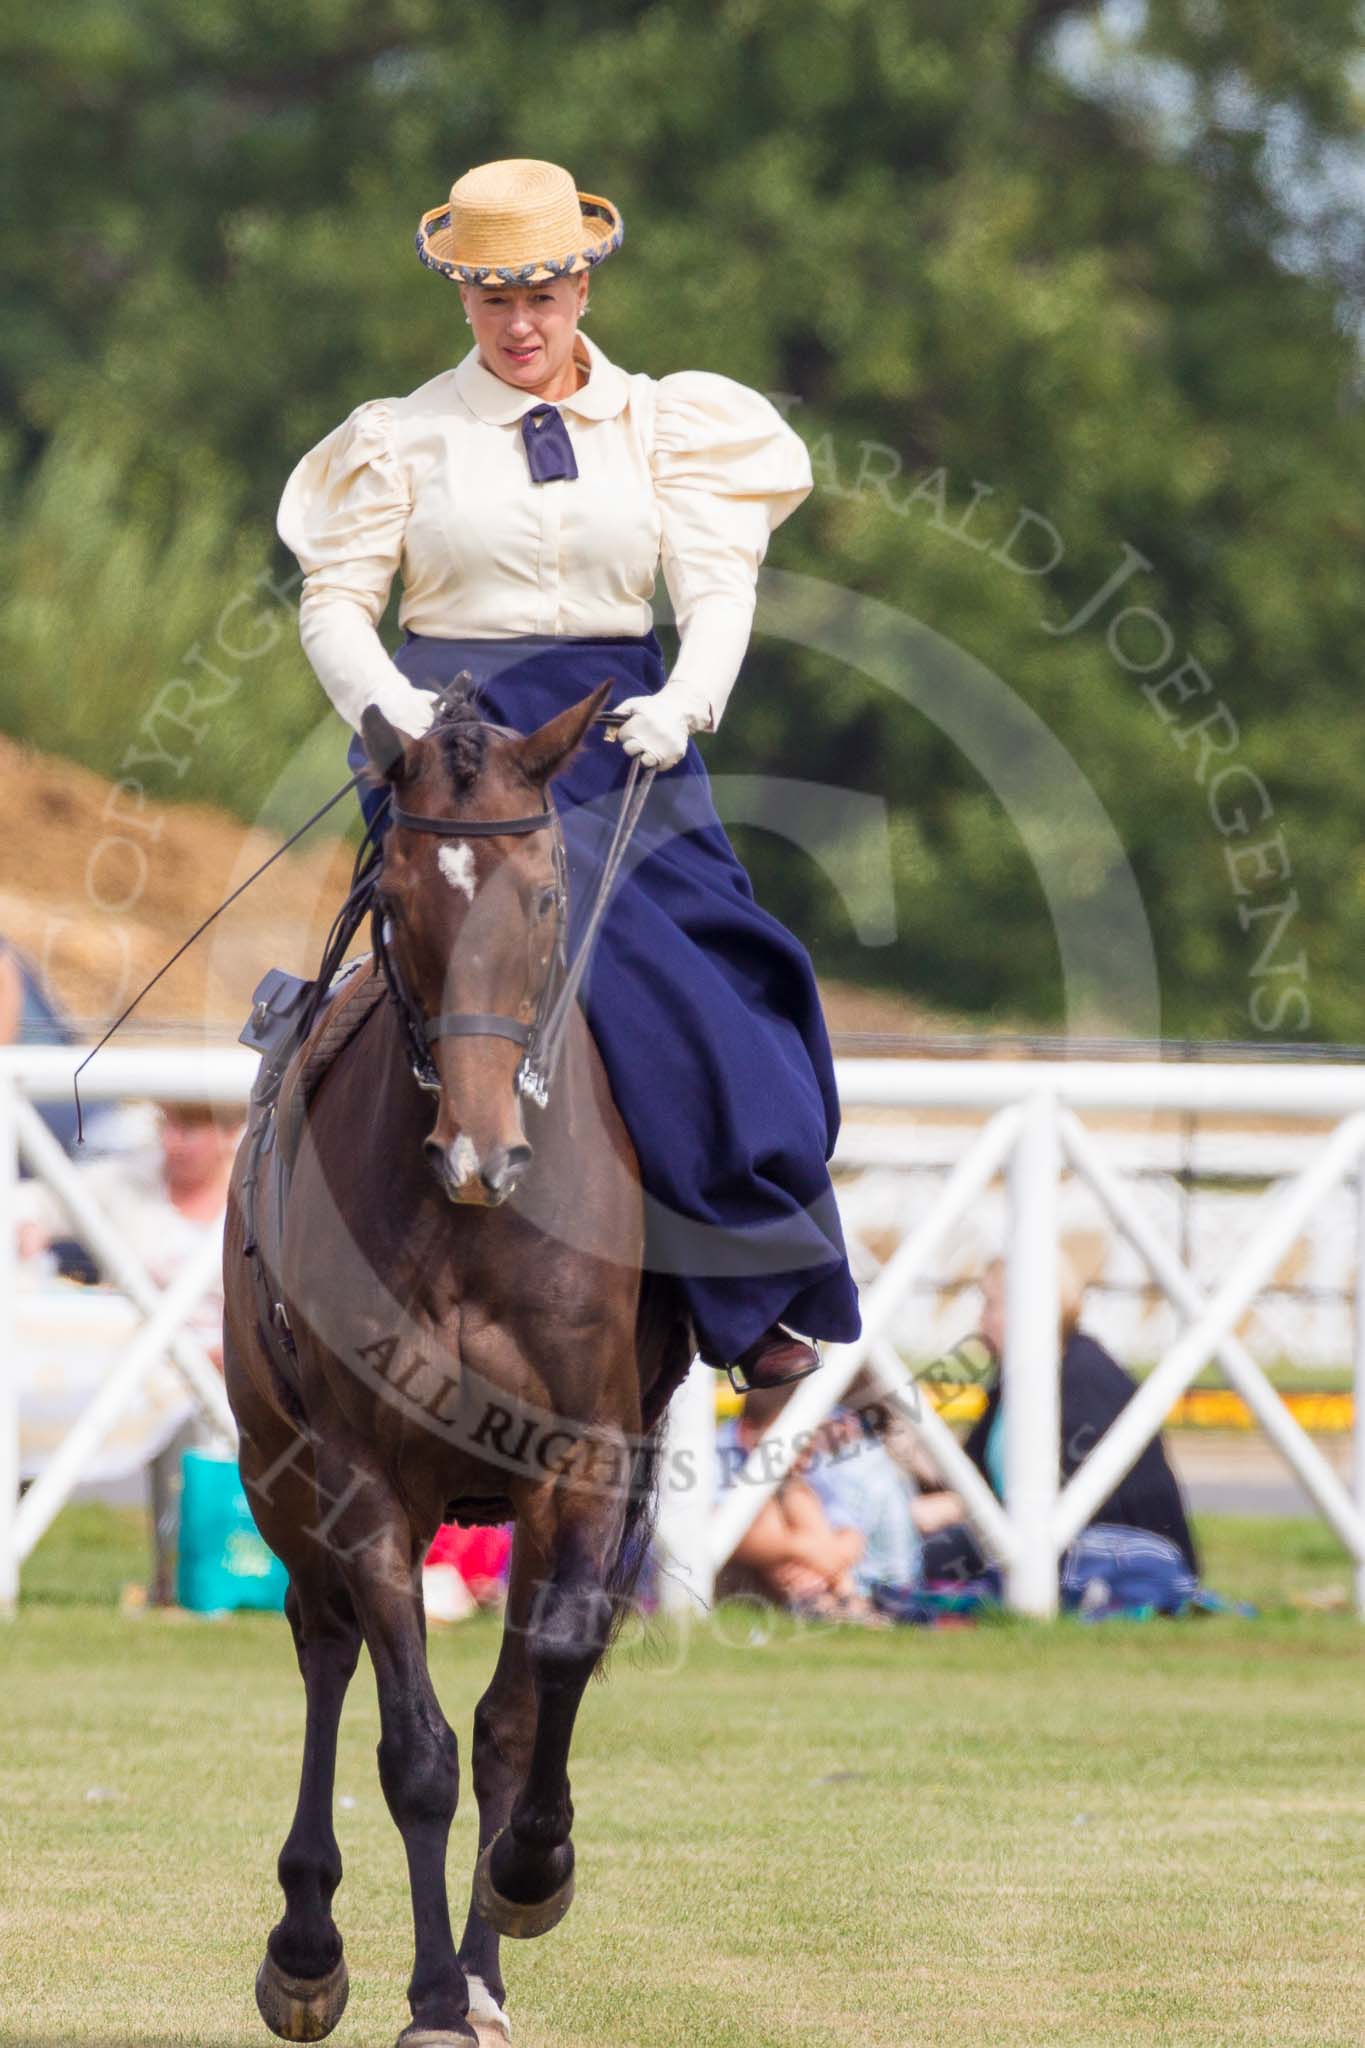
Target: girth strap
476	1024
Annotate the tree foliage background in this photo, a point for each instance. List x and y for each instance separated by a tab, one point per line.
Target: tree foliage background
1103	264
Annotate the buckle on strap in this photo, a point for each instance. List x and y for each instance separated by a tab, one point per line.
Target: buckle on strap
533	1081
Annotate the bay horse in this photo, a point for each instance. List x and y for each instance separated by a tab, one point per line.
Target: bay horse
425	1322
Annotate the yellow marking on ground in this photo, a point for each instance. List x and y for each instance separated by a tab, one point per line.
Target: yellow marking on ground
1200	1408
1322	1414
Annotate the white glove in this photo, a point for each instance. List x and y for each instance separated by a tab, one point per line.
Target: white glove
659	727
410	710
349	660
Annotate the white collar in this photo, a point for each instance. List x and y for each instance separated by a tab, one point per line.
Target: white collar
497	404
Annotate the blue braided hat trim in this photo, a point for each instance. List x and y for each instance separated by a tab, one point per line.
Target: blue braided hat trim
526	273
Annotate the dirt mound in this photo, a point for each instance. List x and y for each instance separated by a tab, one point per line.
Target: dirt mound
99	891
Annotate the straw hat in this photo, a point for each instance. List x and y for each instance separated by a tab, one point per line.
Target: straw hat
518	221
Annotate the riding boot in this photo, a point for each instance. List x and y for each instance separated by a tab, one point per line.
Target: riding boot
773	1360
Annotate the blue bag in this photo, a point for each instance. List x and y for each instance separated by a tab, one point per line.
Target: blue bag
225	1562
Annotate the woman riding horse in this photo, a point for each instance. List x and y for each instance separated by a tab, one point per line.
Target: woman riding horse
416	1328
528	496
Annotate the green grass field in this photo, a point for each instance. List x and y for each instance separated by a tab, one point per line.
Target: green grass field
1009	1835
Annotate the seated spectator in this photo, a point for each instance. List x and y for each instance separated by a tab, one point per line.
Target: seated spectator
860	1486
167	1199
790	1550
1094	1390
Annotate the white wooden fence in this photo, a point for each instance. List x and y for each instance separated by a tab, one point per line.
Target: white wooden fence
34	1074
1034	1130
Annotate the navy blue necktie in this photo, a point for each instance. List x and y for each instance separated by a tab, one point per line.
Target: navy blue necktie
548	447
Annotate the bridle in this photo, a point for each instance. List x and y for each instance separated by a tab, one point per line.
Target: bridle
422	1032
542	1038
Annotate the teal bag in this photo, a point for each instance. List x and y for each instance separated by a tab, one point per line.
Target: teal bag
224	1562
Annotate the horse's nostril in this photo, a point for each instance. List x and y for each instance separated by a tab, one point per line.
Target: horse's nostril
506	1168
454	1165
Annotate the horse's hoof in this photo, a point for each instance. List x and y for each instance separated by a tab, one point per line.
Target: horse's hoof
511	1916
437	2037
486	2016
301	2008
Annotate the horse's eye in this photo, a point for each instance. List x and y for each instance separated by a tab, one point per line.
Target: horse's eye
546	902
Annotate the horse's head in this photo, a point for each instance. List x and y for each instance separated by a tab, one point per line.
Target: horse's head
472	919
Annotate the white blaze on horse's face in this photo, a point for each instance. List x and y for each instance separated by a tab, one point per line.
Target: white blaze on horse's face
457	865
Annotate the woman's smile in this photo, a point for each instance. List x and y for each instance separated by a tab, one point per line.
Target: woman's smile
525	333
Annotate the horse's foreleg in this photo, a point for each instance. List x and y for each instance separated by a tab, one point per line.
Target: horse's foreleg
524	1882
301	1987
504	1730
418	1758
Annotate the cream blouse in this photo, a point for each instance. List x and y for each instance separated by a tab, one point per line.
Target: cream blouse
691	470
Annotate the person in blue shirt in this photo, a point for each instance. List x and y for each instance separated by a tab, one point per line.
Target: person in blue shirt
30	1016
792	1550
860	1486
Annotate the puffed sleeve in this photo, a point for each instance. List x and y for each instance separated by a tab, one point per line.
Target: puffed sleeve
344	513
727	469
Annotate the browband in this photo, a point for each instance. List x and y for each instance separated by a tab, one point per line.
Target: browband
473	828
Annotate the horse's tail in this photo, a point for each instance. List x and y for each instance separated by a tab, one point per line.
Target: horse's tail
664	1337
642	1508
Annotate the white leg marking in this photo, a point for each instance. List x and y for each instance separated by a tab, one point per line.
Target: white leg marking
457	865
484	2009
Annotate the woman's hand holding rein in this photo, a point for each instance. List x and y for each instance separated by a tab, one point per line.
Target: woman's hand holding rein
658	728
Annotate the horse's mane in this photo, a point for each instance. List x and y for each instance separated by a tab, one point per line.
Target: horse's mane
463	735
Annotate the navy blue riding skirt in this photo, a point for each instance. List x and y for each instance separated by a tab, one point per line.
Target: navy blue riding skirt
704	1007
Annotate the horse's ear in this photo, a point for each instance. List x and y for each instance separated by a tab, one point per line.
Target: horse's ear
551	746
383	743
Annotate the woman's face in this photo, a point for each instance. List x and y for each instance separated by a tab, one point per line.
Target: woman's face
525	333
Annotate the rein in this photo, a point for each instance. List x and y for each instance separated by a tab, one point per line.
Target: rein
541	1040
